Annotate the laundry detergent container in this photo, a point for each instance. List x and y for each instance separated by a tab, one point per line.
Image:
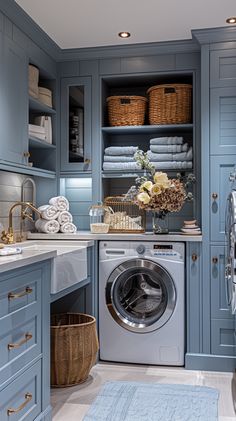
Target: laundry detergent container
74	346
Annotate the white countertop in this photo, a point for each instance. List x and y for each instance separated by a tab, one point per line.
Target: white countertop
87	235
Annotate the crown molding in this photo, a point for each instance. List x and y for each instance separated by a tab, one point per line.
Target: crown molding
214	35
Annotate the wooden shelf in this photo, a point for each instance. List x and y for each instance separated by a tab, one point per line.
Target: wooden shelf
36	105
26	169
35	143
148	129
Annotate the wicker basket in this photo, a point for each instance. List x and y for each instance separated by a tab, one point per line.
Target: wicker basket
170	104
33	81
126	110
124	216
74	346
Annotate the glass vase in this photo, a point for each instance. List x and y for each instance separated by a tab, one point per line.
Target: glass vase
160	222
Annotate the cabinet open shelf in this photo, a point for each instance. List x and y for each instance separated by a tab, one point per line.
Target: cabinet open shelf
39	107
148	129
35	143
134	174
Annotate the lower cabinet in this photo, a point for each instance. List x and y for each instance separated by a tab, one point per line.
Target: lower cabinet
24	343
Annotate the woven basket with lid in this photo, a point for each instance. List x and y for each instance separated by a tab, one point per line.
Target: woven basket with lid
126	110
170	104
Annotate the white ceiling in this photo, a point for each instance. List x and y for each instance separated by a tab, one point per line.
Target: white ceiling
91	23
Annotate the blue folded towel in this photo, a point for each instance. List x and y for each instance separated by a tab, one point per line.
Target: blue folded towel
174	140
179	156
169	148
121	150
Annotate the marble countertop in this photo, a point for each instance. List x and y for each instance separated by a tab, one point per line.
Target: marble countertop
87	235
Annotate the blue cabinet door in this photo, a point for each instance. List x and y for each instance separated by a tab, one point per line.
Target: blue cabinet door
14	103
220	169
223	121
76	103
219	306
223	68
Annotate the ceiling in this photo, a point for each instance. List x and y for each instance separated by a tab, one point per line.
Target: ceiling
92	23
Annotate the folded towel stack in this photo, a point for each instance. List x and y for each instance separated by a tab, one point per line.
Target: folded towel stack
55	217
170	153
120	158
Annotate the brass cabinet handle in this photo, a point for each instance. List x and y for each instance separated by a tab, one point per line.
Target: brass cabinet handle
194	257
28	398
214	260
12	296
27	337
26	154
214	196
87	161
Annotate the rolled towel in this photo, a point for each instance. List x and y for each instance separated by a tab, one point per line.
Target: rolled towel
60	202
169	148
64	216
180	156
48	212
121	150
172	165
48	227
68	227
121	166
174	140
118	158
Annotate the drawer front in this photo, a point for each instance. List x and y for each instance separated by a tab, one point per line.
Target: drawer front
19	291
223	68
21	399
223	337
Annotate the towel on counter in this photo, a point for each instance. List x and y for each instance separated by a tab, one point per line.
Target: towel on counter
180	156
60	202
48	212
118	158
172	165
48	227
169	148
121	150
121	166
64	216
174	140
68	227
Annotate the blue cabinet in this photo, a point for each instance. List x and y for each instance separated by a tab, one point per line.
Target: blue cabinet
219	305
223	67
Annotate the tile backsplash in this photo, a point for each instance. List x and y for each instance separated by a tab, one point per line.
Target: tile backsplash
10	192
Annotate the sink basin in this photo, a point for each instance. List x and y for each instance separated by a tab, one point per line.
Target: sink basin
69	266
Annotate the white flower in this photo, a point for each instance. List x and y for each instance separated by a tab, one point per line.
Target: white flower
144	198
162	180
146	186
156	189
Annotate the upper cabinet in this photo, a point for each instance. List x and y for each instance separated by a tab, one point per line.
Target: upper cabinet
223	68
76	119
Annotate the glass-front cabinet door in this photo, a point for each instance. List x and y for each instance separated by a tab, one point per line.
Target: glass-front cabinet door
76	124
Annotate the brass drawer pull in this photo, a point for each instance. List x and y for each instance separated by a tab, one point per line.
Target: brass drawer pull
87	161
27	337
12	296
214	260
194	257
214	196
28	398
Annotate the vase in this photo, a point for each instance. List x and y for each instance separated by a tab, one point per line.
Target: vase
160	222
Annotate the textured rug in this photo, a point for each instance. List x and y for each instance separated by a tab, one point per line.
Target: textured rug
133	401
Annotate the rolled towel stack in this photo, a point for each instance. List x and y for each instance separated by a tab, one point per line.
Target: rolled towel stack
170	153
120	158
55	217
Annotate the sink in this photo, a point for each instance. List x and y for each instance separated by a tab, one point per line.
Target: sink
69	266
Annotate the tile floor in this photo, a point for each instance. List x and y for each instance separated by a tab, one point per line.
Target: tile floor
72	403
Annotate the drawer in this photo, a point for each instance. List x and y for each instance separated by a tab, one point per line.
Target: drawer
20	340
223	337
21	400
19	291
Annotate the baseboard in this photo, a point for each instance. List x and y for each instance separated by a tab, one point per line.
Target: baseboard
45	415
210	362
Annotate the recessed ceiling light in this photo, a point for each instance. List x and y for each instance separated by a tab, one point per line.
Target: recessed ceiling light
124	34
231	20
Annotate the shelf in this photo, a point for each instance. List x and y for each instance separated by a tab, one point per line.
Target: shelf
25	169
134	174
35	105
177	128
35	143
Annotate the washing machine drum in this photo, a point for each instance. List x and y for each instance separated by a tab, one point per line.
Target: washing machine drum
140	295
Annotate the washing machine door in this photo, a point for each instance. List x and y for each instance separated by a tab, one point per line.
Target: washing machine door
140	295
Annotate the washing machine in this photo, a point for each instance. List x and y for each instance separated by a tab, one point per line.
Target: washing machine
141	302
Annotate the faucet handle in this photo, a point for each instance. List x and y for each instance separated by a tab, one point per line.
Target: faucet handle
7	237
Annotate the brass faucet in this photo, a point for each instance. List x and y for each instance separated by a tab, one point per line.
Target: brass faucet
8	236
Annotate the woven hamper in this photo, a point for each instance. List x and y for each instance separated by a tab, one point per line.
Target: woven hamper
74	346
126	110
33	81
170	104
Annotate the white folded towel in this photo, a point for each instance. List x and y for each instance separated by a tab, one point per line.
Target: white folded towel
174	140
180	156
48	212
169	148
48	227
121	166
64	216
172	165
60	202
68	227
118	158
121	150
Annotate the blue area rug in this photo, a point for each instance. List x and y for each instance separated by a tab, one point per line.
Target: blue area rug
133	401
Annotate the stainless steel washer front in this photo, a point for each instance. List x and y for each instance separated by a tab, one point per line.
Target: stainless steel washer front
140	295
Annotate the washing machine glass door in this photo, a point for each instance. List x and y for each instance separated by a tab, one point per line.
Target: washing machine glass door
140	295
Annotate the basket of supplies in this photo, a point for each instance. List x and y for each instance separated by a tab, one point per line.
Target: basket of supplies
126	110
170	104
123	215
74	346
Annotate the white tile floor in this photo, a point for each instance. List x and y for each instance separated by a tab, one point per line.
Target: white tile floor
72	403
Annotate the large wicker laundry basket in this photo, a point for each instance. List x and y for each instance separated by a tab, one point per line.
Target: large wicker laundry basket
74	346
125	110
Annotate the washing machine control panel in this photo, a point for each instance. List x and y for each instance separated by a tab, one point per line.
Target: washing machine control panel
141	249
163	250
